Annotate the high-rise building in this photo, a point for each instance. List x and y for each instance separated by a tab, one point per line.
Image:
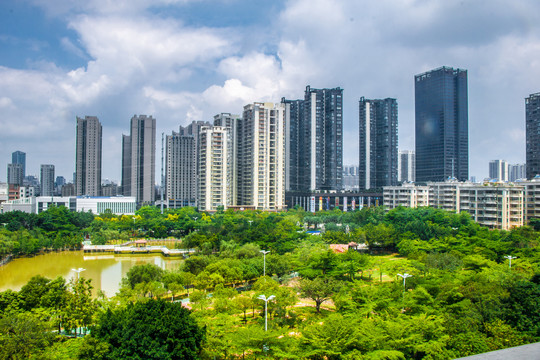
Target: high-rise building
180	176
19	157
88	156
314	133
194	129
15	174
498	170
230	121
406	166
350	177
378	143
442	135
47	180
139	160
532	130
260	150
516	171
296	135
216	168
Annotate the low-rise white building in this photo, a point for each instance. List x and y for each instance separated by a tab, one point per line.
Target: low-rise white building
493	204
118	205
532	197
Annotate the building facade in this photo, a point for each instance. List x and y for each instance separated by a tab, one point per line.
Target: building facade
442	135
19	157
498	170
406	166
516	172
532	197
350	178
216	187
88	156
532	134
15	174
181	170
314	133
138	160
118	205
378	134
313	201
406	195
260	146
495	205
47	180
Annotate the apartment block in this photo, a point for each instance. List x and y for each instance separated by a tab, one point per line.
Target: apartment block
216	181
496	205
260	146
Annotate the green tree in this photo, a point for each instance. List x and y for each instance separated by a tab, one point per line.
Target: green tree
32	292
23	335
80	306
318	290
143	274
154	329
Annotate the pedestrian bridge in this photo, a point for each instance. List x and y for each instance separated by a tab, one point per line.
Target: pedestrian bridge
122	249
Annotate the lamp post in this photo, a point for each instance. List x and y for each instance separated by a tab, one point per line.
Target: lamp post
404	276
78	271
264	257
510	257
250	221
266	300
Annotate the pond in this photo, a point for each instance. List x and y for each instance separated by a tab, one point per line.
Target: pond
105	270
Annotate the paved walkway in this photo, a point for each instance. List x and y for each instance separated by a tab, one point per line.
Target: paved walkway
525	352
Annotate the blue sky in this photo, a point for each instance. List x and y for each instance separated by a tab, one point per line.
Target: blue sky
183	60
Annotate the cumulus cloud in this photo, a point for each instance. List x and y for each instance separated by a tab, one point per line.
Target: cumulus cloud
140	60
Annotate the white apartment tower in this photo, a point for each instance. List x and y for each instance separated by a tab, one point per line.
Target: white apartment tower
216	180
88	156
406	166
260	145
181	171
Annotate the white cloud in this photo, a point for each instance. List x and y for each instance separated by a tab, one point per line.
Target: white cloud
141	62
6	102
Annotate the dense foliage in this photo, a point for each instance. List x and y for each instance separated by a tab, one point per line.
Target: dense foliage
462	298
154	329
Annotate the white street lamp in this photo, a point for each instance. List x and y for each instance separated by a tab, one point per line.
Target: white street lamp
250	221
78	271
266	300
404	276
264	257
510	257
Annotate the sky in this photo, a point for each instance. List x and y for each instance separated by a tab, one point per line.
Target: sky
185	60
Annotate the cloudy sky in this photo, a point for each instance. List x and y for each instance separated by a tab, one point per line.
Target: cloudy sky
184	60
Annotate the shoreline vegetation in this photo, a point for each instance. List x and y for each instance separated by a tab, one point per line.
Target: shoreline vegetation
426	284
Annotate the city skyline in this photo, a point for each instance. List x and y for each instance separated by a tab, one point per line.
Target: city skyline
188	61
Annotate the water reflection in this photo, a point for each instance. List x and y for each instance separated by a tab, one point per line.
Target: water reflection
105	270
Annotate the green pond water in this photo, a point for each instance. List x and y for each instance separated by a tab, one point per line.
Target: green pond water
105	270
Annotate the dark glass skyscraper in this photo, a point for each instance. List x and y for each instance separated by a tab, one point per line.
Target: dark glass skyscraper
378	143
532	125
314	146
442	135
19	157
